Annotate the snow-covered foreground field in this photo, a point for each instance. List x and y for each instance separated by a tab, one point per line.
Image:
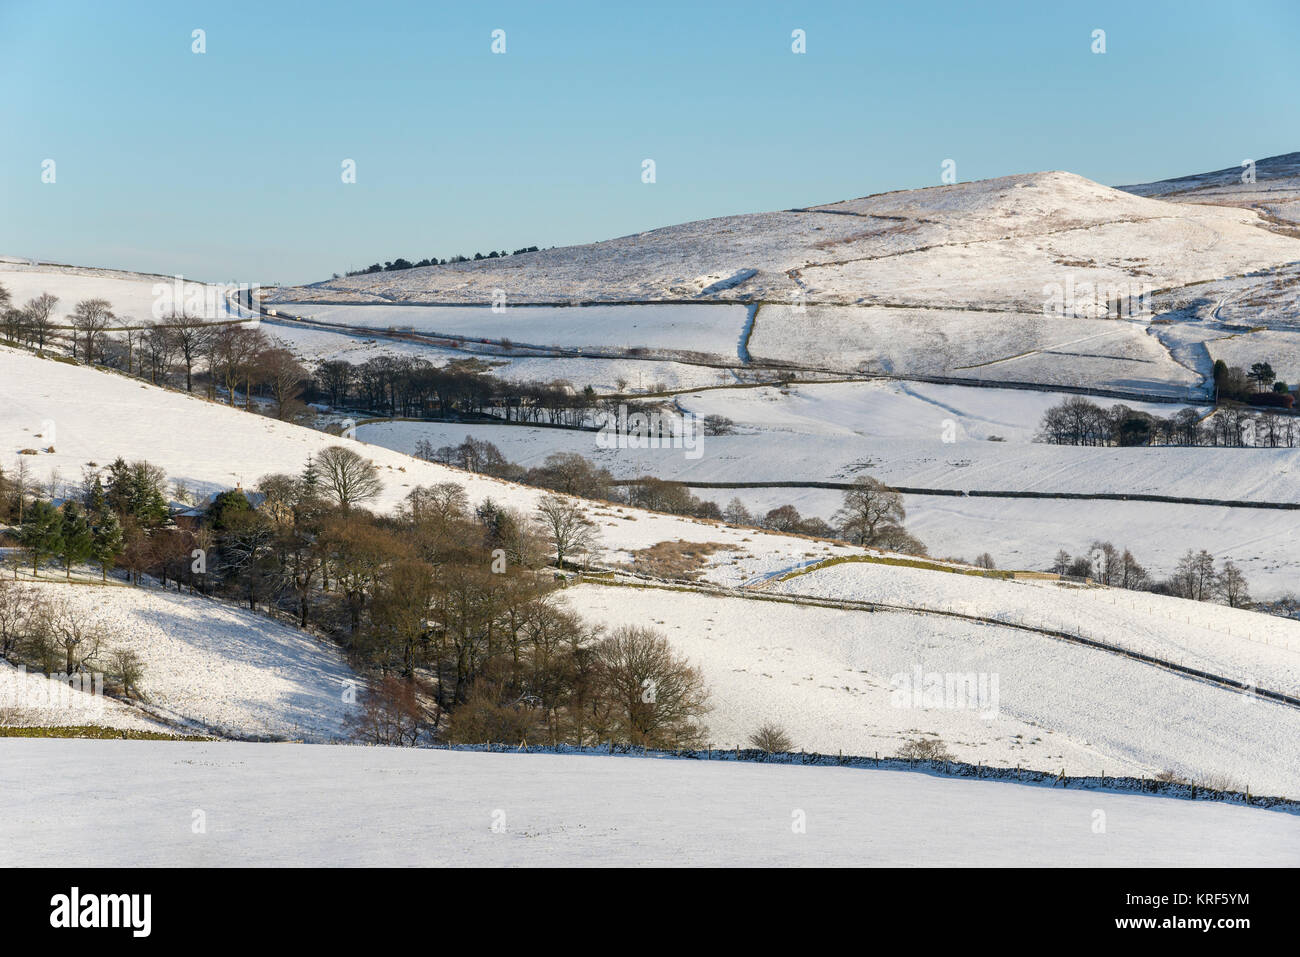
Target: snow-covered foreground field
828	676
211	667
135	804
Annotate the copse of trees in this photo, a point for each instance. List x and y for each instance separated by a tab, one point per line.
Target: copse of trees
399	264
1079	421
1258	385
405	386
448	607
1195	577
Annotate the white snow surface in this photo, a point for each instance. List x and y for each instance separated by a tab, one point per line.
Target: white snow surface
131	295
826	675
995	241
131	804
211	667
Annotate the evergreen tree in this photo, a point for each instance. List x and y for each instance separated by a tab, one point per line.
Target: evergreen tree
41	532
311	475
108	542
75	537
97	500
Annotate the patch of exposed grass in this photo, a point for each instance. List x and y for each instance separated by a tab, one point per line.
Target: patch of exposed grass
904	562
94	731
675	559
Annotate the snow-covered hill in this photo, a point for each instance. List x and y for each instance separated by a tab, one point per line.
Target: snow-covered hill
1271	185
132	296
992	243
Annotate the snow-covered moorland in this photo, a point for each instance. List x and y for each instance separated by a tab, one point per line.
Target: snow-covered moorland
987	243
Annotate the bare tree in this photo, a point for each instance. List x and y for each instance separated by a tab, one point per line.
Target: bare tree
188	335
656	697
284	374
390	713
157	349
868	507
771	738
570	531
347	477
90	319
77	636
40	319
1230	585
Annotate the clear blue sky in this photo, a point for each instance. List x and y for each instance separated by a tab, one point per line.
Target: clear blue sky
226	165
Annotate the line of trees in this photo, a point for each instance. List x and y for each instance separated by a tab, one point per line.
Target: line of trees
1196	576
405	386
1079	421
872	514
227	360
396	265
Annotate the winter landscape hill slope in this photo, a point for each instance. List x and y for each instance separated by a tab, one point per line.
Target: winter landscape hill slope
991	243
840	657
1270	185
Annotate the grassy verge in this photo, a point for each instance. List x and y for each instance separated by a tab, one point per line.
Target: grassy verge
93	731
903	562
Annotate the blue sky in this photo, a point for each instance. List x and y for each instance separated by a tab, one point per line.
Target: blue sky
226	165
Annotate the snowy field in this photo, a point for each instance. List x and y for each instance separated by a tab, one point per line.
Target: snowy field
711	329
825	455
135	804
827	676
990	346
313	344
1026	533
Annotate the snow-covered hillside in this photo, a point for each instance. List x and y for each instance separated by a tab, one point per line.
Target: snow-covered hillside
213	668
211	447
991	242
1271	185
131	295
29	699
303	805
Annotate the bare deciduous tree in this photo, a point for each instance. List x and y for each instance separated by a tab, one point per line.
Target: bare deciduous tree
570	531
90	319
868	507
347	477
